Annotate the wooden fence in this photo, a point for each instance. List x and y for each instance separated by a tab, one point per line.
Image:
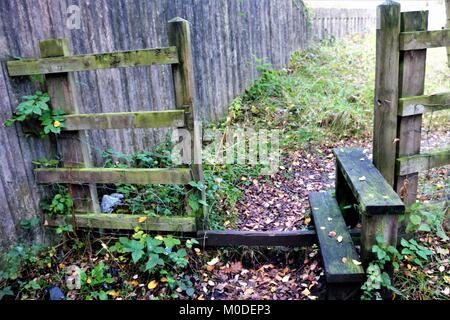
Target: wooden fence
224	65
338	23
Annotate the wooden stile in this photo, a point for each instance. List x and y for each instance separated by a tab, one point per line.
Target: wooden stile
416	40
183	82
72	146
411	83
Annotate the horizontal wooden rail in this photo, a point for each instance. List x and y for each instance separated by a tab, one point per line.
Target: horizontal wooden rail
416	40
126	222
113	175
123	120
422	162
410	106
234	238
93	61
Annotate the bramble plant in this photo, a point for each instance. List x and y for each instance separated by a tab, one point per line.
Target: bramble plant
35	107
158	257
60	204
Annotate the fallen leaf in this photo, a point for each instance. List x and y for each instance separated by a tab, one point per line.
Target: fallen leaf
285	279
356	262
113	293
142	219
152	284
306	292
307	220
210	268
213	261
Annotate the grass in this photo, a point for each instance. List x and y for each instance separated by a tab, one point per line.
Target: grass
325	92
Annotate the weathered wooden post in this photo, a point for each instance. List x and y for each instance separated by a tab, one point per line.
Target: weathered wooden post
447	5
72	146
184	87
411	83
385	121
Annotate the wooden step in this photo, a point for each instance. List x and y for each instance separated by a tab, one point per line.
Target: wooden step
328	217
373	194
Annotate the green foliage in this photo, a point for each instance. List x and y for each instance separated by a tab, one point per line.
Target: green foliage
60	204
426	218
158	256
30	224
416	253
326	92
153	253
378	278
94	281
19	256
46	163
35	107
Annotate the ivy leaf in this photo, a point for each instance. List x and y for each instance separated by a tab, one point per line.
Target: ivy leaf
415	219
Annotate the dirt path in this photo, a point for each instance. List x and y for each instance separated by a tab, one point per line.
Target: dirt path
281	203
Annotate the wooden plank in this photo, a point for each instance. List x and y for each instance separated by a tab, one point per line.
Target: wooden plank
124	120
374	195
386	89
447	8
385	120
414	105
119	59
179	176
411	83
185	98
229	238
416	40
422	162
327	217
72	146
125	222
